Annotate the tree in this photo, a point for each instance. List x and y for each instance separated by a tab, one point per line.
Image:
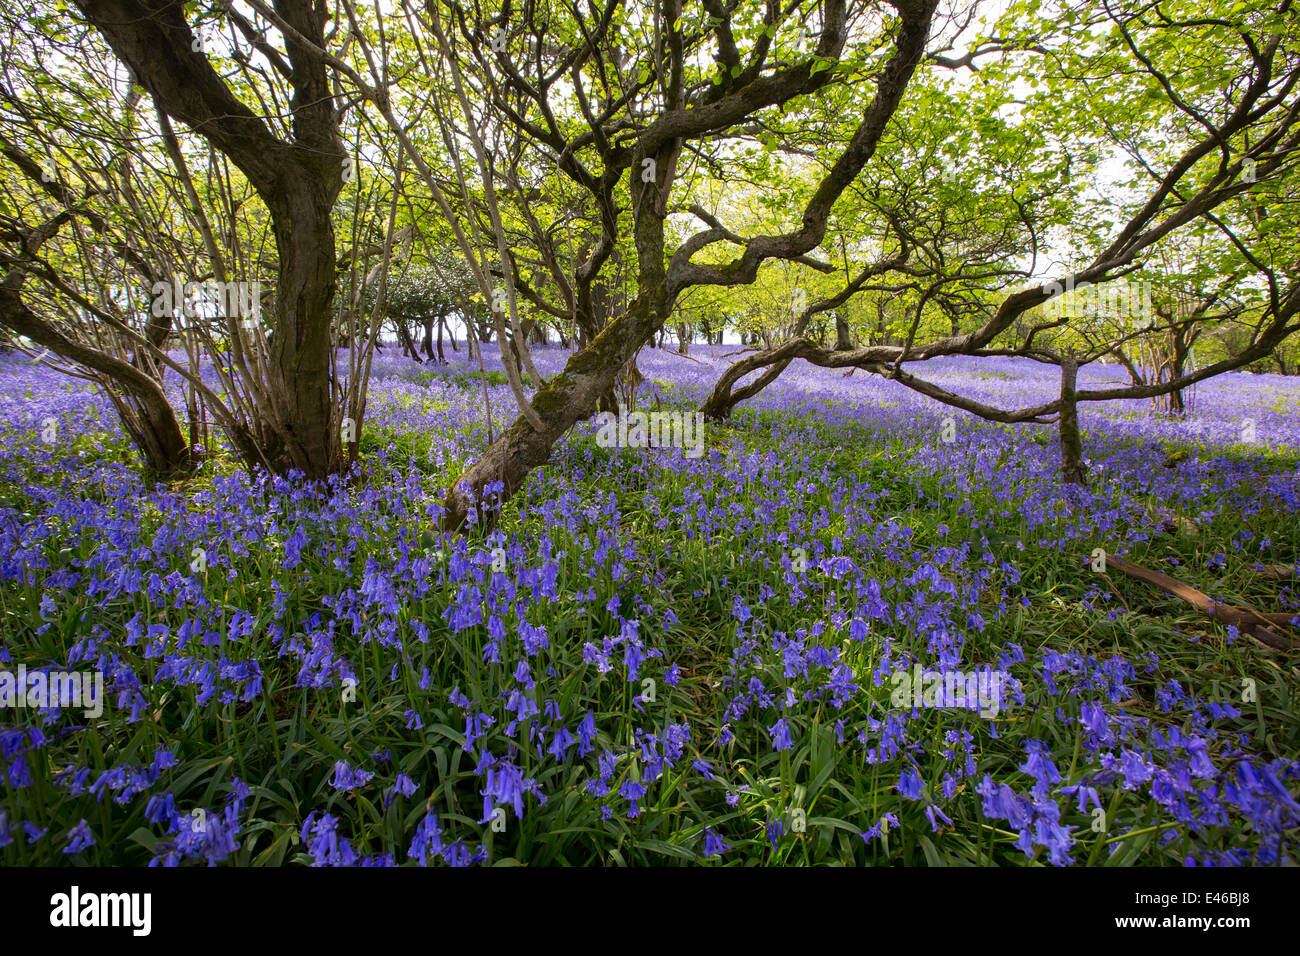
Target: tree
270	219
623	134
1205	162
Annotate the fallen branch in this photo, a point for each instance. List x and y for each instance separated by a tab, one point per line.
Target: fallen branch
1249	622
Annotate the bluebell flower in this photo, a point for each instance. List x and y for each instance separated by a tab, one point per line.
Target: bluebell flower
713	845
1135	769
79	838
780	732
403	786
560	744
876	830
633	791
347	777
427	840
505	784
586	734
909	784
775	830
932	812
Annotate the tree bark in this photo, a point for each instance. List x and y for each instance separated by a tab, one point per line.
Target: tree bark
722	399
1073	469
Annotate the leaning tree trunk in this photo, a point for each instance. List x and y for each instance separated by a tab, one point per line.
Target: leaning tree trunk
1073	469
146	414
148	418
562	401
571	396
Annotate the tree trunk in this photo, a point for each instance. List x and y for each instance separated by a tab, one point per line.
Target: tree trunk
407	343
427	347
151	422
843	340
722	399
298	180
301	359
1073	469
1181	349
562	401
